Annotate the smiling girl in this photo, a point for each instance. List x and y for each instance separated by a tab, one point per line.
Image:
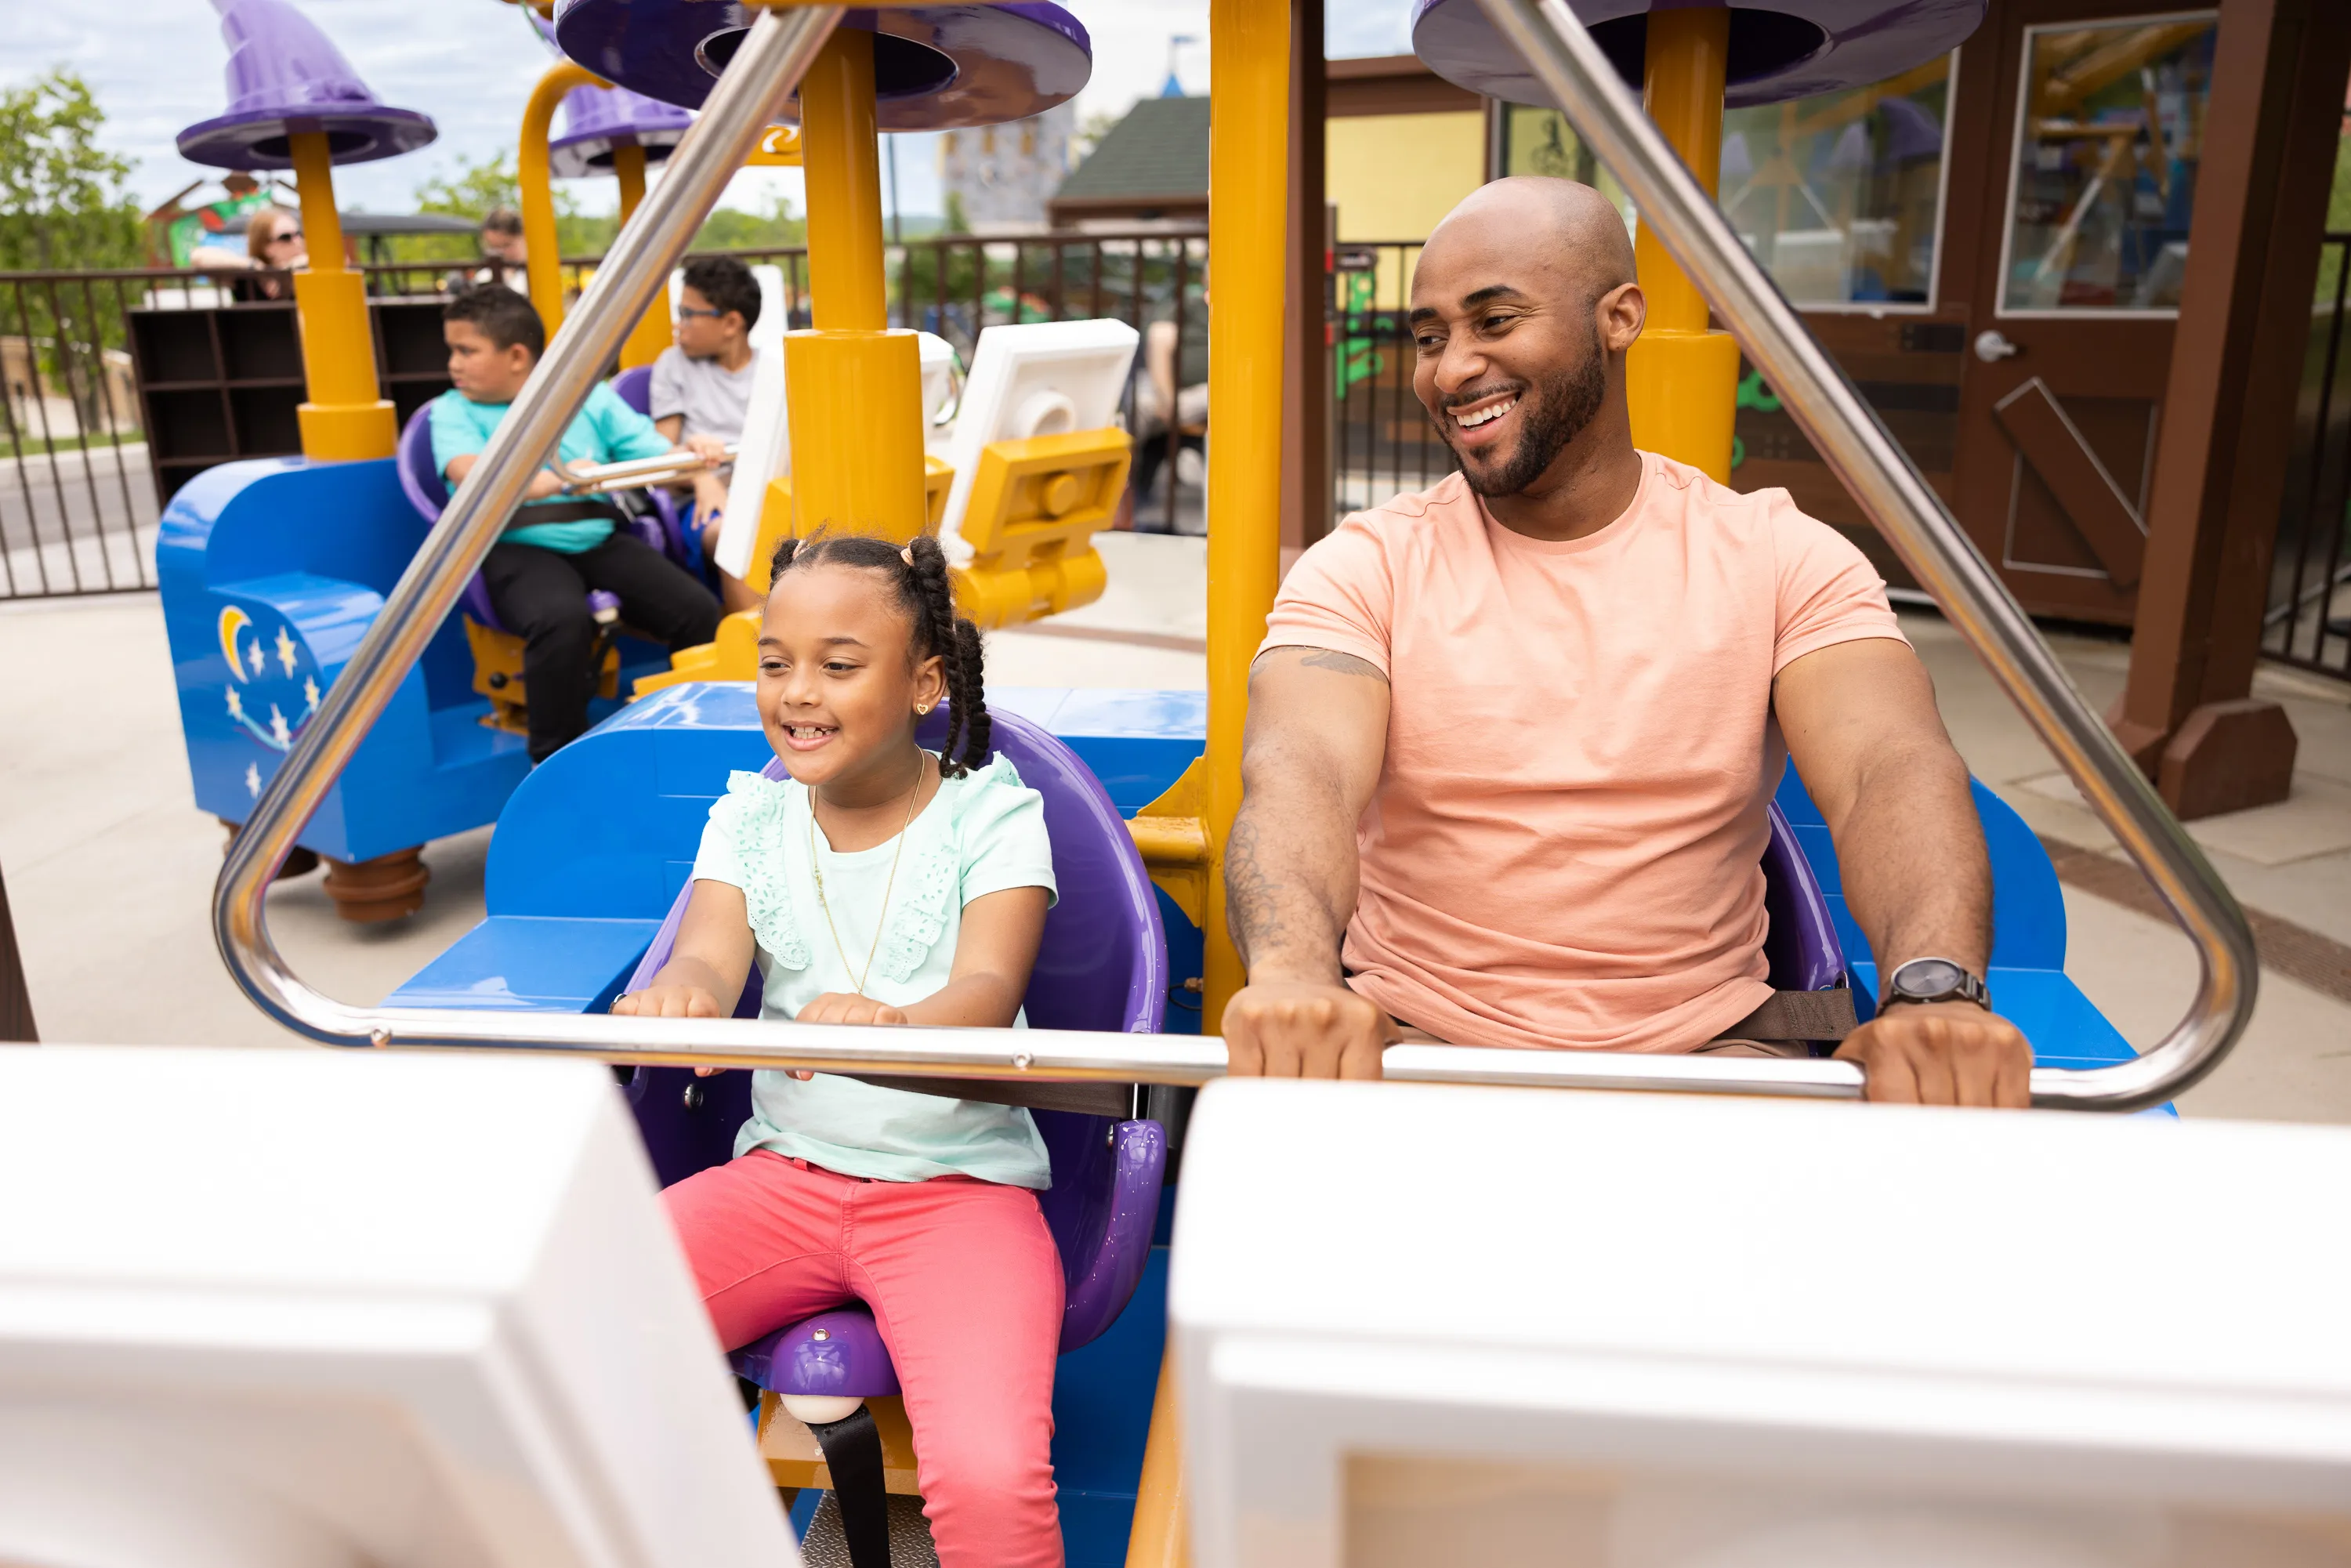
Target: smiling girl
881	884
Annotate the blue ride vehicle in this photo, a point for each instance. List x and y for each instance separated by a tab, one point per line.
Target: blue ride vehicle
271	571
587	881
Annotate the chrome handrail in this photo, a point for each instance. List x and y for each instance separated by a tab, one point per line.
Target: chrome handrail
1898	500
632	472
765	71
778	50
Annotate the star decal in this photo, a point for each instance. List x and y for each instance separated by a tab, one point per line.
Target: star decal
277	730
311	691
236	703
257	658
253	779
286	650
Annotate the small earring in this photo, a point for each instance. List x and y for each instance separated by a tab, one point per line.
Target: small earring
921	707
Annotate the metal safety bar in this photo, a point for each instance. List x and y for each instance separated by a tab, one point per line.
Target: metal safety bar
1906	511
632	473
768	67
766	70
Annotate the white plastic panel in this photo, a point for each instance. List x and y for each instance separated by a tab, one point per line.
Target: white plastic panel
282	1308
1038	379
1422	1325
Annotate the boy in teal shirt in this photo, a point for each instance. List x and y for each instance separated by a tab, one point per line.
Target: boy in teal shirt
557	547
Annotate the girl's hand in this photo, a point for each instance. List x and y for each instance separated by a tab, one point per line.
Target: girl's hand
847	1007
668	1002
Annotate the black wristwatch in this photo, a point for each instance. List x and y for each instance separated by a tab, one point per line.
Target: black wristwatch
1934	981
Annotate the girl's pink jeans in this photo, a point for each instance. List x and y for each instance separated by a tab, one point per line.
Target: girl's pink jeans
965	1287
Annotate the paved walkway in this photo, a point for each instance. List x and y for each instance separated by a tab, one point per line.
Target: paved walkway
109	867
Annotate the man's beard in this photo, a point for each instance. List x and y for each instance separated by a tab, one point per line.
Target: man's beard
1552	413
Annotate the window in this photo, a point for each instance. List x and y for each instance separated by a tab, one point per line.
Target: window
2109	131
1542	141
1841	196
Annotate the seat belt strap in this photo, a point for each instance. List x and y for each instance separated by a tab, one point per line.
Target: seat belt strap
852	1453
1798	1015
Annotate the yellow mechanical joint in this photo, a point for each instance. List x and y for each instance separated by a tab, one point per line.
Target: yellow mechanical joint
1035	507
1172	833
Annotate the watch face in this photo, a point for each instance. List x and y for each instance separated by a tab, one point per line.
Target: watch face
1929	978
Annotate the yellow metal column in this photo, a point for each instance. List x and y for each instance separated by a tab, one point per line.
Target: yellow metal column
841	152
1681	380
543	253
345	419
1248	43
855	389
1161	1537
651	335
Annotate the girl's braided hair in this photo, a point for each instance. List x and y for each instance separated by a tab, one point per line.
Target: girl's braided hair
919	572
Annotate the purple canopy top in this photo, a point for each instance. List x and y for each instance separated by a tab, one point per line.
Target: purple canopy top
596	119
284	76
935	67
1779	50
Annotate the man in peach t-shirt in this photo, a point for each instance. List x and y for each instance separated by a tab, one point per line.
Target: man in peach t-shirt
1511	739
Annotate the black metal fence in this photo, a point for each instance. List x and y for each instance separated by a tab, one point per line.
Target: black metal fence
77	502
1382	443
79	495
2308	621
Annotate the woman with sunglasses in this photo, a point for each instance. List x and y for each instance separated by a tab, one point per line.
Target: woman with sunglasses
273	250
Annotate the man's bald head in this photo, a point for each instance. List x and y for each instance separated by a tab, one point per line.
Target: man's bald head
1521	311
1542	224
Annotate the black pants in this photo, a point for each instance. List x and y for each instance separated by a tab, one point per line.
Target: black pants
542	596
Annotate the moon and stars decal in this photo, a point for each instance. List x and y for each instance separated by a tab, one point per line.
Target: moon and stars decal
271	676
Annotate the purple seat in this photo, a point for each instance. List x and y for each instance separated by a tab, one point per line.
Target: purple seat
428	492
1103	965
1802	947
634	387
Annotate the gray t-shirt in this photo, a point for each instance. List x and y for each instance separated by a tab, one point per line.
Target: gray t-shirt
713	398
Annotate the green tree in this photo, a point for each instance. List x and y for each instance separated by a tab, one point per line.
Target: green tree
63	207
63	201
2338	220
476	187
730	228
472	189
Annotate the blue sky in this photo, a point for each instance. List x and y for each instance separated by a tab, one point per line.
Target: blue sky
156	66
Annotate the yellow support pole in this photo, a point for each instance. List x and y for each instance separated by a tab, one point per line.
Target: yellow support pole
1249	44
1161	1537
1681	381
345	418
854	388
651	335
542	252
840	151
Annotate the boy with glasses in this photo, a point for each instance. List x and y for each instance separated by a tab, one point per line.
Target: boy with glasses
702	389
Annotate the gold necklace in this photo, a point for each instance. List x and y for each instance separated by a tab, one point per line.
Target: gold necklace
883	924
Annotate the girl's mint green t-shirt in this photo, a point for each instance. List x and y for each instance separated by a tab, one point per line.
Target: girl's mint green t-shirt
982	833
605	430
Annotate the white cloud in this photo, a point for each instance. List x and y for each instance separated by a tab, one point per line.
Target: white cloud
156	67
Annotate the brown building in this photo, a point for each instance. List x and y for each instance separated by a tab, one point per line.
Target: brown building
1995	245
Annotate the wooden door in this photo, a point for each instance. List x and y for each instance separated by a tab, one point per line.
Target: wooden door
2079	239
